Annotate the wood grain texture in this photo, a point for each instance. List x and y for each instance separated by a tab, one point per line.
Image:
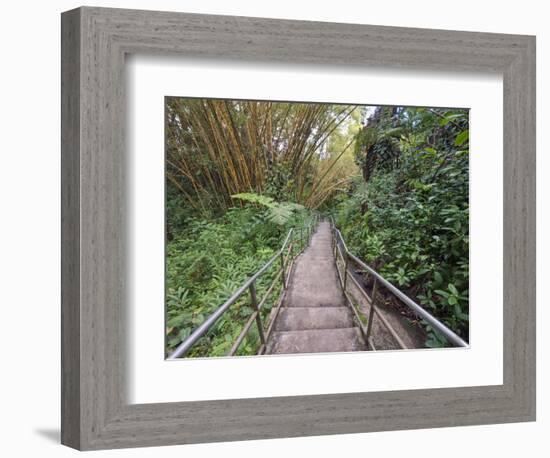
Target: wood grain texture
70	229
96	413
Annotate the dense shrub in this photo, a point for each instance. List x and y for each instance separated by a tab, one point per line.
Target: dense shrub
410	219
207	260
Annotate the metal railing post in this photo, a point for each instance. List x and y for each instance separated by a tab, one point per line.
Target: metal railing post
283	273
345	270
371	311
254	303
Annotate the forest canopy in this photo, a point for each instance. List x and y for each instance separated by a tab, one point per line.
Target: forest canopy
239	174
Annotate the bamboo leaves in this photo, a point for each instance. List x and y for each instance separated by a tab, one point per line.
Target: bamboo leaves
218	148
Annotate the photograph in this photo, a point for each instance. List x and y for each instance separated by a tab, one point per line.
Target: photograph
298	227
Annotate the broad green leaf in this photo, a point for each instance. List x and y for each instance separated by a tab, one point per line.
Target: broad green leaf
462	137
452	289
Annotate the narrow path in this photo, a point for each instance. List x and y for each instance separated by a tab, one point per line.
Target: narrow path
314	317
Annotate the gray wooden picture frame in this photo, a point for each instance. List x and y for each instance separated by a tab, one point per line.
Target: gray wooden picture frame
95	412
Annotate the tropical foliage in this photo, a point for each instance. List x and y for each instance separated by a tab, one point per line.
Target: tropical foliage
209	259
408	213
239	174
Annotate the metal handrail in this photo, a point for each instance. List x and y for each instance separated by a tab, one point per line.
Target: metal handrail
416	308
249	284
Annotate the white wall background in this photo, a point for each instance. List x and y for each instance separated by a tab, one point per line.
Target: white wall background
30	227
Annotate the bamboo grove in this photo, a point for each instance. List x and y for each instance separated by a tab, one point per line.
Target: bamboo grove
218	148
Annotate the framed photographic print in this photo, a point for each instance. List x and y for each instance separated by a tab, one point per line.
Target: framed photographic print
269	227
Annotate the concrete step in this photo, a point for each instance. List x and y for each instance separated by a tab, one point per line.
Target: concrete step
313	284
315	341
321	296
314	318
301	318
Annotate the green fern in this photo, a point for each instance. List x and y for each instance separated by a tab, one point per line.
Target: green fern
277	213
253	198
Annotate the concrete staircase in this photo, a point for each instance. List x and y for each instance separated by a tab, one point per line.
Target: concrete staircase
314	317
